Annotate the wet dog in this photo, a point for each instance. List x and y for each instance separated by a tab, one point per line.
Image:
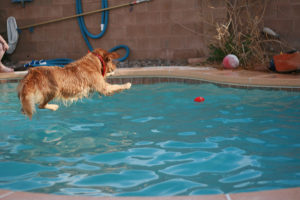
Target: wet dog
70	83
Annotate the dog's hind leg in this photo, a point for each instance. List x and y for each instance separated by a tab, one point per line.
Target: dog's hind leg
53	107
45	105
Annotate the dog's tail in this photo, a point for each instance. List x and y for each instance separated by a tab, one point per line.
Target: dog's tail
26	95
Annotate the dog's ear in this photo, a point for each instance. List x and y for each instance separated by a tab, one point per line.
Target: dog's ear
110	56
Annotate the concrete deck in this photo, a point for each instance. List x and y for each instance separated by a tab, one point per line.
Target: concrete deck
284	194
210	74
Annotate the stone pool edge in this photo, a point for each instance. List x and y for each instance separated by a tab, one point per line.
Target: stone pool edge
210	74
286	194
241	78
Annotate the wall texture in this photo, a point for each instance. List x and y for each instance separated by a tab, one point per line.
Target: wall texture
284	17
161	29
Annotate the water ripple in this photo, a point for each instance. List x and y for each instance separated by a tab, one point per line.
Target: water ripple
187	133
85	127
135	156
17	170
242	176
80	191
146	119
124	179
239	120
82	166
180	145
229	161
167	188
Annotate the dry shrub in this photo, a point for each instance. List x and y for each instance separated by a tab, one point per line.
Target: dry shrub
241	34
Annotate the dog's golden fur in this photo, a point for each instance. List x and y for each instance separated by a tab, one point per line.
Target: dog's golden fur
70	83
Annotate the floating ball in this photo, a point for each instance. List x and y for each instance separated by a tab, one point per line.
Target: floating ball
199	99
231	61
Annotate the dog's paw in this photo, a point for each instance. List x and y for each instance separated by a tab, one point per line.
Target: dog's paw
127	85
53	107
110	74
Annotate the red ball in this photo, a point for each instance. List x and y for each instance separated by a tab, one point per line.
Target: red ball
199	99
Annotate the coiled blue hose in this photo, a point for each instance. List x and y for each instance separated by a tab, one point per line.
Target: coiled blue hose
104	20
60	62
122	46
85	33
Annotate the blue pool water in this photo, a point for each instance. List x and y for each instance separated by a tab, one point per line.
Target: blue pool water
153	140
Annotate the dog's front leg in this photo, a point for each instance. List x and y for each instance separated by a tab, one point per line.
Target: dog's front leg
111	89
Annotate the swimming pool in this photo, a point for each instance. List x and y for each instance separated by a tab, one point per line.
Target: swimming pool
154	140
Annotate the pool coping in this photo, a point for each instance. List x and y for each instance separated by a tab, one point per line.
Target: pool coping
281	194
230	78
234	78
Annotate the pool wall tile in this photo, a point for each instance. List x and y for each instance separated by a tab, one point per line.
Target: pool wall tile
147	80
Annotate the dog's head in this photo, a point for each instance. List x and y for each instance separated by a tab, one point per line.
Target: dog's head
108	58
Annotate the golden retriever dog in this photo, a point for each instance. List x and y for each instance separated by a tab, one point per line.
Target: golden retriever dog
70	83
